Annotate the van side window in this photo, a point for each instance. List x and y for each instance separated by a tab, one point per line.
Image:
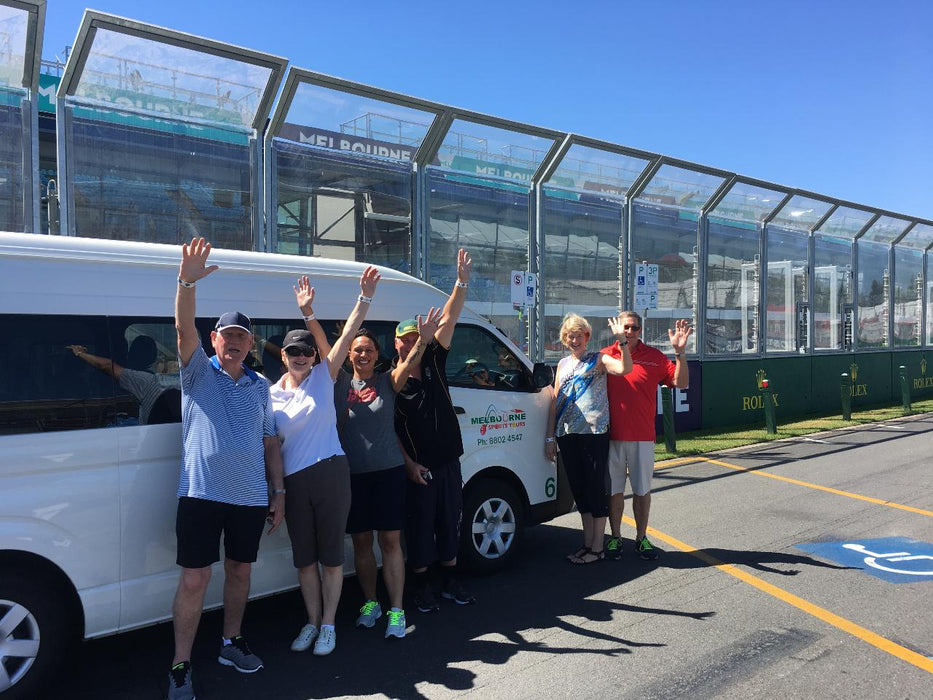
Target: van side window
46	385
479	360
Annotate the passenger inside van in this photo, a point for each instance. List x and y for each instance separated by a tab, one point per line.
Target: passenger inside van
137	378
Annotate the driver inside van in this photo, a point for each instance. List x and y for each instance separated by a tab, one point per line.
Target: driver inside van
478	372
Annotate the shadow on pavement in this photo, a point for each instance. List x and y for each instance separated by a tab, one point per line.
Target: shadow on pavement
540	603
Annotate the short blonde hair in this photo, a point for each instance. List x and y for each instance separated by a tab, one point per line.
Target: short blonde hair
574	322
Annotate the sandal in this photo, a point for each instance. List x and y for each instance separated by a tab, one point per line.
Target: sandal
573	557
590	557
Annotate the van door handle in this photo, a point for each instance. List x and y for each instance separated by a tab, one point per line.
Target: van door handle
459	410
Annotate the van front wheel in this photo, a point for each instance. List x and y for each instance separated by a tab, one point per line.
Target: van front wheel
34	633
492	522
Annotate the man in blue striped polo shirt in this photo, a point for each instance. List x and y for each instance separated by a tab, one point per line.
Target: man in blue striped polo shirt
230	451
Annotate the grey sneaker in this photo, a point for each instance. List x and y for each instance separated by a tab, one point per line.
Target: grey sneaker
326	641
307	635
238	655
179	682
614	548
396	626
369	613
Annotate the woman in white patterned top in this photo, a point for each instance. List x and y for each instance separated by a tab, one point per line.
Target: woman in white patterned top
578	424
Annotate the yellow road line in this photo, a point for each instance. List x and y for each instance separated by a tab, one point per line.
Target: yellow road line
876	640
758	472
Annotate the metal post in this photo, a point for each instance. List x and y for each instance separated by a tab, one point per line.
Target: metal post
845	394
768	400
667	404
905	390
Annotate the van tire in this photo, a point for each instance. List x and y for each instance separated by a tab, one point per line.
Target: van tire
493	516
32	608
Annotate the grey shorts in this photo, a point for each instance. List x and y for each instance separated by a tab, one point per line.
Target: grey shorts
634	458
317	501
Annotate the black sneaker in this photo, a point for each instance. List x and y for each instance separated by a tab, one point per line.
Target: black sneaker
425	600
614	548
454	590
179	682
645	550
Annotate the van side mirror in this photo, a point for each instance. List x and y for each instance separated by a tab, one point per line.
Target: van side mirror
542	375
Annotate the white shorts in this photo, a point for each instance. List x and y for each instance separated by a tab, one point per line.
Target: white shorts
634	458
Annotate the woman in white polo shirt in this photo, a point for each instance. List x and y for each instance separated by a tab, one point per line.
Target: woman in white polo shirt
317	476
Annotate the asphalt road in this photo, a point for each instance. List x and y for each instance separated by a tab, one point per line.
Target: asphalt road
733	609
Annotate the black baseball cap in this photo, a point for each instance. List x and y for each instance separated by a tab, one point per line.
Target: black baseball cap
299	338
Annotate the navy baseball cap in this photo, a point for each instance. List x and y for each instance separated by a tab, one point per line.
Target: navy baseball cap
234	319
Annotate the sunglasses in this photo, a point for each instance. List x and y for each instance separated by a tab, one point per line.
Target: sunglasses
295	352
631	328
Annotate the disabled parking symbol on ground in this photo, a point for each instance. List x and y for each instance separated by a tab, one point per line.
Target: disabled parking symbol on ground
894	559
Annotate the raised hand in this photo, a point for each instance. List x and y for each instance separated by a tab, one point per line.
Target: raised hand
615	325
193	260
679	335
464	266
368	281
427	325
304	294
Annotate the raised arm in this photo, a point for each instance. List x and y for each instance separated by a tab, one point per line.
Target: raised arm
99	363
454	305
679	337
337	354
614	365
192	268
304	295
427	328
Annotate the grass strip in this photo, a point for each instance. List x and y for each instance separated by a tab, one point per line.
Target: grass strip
699	442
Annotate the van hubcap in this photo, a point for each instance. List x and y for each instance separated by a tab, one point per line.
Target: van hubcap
493	528
19	642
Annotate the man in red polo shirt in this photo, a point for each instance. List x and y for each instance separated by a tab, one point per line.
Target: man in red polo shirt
632	410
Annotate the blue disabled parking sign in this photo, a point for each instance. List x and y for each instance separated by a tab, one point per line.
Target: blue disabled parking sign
894	559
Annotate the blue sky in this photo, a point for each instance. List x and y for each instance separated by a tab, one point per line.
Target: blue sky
829	96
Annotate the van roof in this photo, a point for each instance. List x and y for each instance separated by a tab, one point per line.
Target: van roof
71	275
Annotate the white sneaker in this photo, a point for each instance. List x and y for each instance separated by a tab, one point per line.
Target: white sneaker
307	635
326	641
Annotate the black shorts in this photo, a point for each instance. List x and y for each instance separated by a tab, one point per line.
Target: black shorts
586	459
432	530
199	524
377	500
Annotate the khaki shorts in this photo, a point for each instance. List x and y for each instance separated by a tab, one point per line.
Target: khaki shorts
634	458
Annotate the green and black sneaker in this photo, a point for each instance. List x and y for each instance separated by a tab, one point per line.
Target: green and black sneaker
614	548
645	550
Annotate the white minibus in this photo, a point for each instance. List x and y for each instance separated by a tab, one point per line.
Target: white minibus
91	451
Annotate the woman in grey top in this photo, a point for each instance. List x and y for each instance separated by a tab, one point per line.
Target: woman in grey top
365	403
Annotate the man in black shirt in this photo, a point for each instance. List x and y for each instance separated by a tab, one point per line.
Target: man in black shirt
429	432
